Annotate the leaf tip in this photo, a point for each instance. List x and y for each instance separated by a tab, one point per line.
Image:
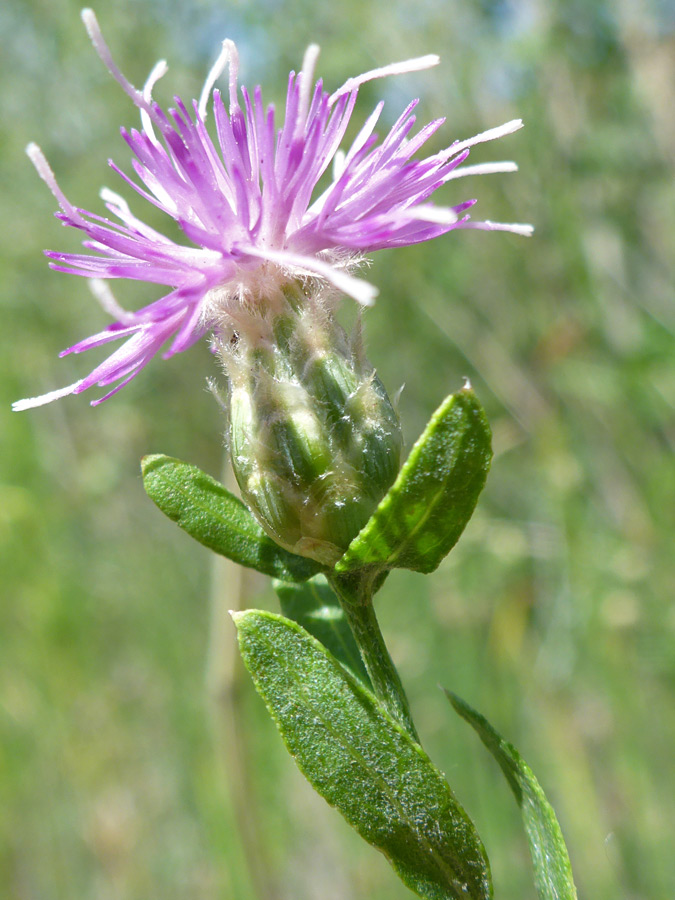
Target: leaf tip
452	697
152	461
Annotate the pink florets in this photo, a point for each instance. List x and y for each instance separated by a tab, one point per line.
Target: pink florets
243	196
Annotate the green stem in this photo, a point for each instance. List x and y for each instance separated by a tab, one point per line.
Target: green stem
356	598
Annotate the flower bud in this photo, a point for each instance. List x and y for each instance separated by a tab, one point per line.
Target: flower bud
314	439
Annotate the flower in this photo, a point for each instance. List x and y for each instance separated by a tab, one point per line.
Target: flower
243	195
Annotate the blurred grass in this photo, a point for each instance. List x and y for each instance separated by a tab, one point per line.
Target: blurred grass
554	615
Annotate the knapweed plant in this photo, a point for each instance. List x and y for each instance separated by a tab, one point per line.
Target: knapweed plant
329	509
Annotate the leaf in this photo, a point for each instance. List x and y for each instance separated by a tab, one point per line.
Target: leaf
314	606
427	508
208	512
552	867
362	762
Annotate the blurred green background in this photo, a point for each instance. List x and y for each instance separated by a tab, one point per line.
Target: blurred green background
135	760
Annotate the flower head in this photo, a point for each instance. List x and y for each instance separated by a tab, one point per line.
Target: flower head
244	195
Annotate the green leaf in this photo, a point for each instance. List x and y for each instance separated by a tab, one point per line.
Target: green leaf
425	511
216	518
362	762
315	607
552	868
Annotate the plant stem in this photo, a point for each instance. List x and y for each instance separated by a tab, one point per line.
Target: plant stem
356	598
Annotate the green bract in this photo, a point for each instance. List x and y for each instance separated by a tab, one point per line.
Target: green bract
314	439
414	526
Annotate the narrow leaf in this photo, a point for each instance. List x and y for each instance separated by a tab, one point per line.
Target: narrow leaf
427	508
362	762
208	512
552	868
314	606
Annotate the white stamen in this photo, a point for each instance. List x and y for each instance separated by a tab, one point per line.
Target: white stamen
159	70
216	71
490	135
525	230
515	228
95	36
338	164
32	402
234	76
306	77
481	169
364	134
439	215
102	292
44	170
400	68
115	199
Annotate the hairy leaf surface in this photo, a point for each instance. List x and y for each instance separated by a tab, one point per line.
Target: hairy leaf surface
315	607
552	868
362	762
427	508
208	512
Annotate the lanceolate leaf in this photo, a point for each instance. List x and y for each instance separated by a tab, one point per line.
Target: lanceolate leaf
425	511
552	868
362	762
208	512
315	606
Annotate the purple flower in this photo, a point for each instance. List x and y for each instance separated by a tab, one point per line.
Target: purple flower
243	194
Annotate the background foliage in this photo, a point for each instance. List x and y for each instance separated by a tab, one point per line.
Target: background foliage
124	771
